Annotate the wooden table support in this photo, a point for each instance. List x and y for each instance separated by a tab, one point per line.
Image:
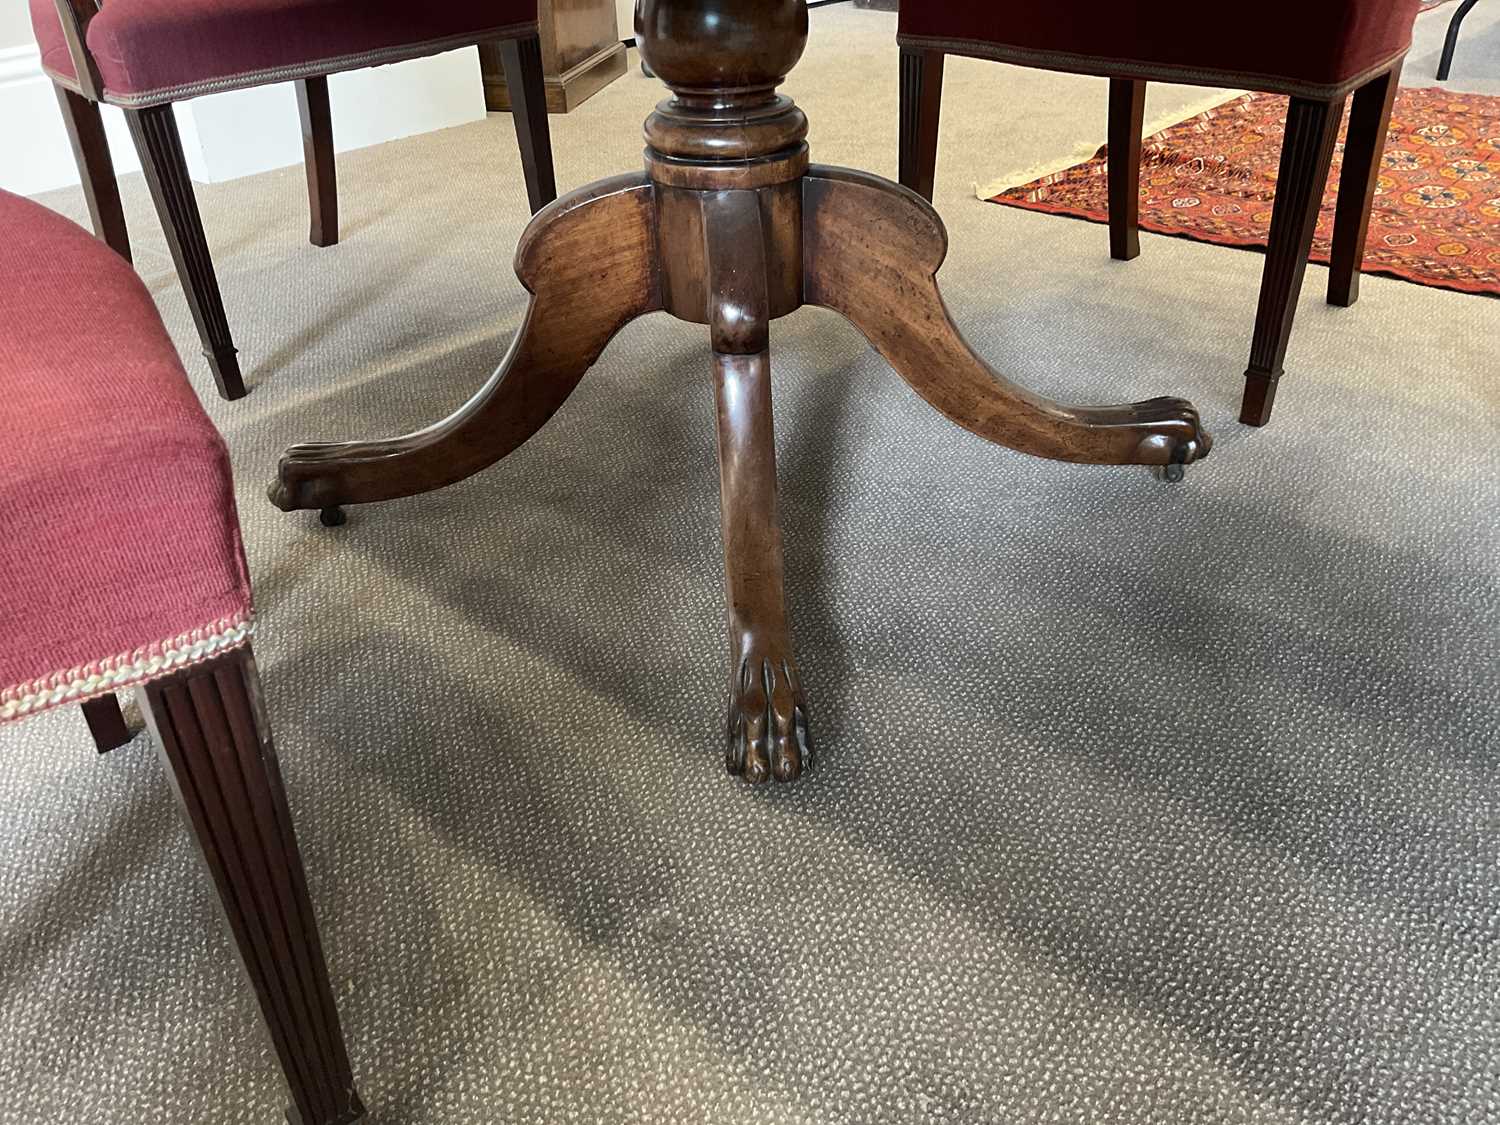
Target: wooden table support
730	227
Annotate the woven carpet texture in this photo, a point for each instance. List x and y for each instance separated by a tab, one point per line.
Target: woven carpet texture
1436	213
1135	803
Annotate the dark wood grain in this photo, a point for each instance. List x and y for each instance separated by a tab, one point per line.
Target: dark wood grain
210	725
106	723
767	731
154	130
921	114
731	229
582	53
1127	112
1364	148
590	263
712	47
685	219
96	169
522	60
1311	129
872	253
319	161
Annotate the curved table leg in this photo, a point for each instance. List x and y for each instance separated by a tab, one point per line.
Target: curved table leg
589	261
872	251
767	733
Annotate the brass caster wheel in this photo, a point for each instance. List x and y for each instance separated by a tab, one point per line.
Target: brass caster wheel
1172	474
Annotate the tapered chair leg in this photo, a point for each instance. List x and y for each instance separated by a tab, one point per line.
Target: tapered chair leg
106	723
522	60
96	169
921	113
1450	43
318	159
1364	146
1311	128
210	726
1127	111
160	148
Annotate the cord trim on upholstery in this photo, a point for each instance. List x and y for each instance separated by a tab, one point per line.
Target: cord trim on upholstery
1148	71
314	69
100	677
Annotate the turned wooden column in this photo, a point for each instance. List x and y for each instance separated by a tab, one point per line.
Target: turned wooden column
730	227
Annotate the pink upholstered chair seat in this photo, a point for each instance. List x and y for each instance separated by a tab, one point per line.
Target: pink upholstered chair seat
105	445
153	51
1309	48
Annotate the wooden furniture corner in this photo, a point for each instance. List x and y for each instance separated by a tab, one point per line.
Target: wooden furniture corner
581	54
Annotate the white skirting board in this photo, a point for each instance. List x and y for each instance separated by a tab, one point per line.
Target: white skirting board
240	133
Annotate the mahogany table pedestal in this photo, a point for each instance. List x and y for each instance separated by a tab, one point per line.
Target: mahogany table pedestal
730	226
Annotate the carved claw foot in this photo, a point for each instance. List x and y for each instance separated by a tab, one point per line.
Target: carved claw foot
767	728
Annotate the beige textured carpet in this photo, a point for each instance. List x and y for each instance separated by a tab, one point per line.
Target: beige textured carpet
1135	804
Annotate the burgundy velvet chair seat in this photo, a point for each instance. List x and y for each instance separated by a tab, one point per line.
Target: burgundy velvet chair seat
108	447
1308	48
121	565
154	51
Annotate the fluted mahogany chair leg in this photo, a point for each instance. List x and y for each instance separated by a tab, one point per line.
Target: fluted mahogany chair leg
160	146
210	726
921	113
106	722
318	159
1311	129
1364	148
1127	111
522	60
96	169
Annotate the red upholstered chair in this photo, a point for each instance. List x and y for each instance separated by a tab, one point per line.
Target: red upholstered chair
121	567
143	55
1317	53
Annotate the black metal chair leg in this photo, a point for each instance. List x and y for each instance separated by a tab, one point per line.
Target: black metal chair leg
1450	44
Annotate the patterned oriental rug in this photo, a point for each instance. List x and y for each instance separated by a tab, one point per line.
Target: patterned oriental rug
1212	178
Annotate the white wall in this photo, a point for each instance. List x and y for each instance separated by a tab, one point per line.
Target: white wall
234	134
624	17
249	131
15	23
